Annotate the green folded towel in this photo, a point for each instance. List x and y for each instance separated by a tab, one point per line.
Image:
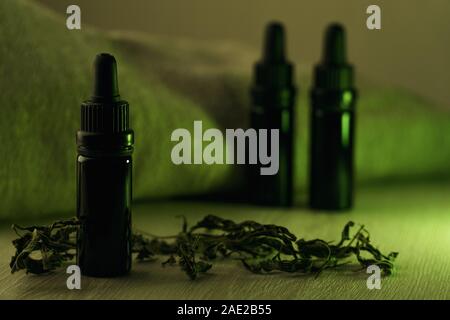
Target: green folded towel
45	73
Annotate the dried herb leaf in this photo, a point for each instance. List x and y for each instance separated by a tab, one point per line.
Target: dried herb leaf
41	249
262	248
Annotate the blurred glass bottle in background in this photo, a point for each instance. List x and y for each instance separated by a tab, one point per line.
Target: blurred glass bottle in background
273	100
332	127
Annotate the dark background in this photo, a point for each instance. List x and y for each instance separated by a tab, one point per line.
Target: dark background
411	50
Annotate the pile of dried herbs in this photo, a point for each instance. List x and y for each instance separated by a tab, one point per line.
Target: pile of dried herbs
262	248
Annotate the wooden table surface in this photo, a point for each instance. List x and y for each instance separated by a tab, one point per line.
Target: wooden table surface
411	219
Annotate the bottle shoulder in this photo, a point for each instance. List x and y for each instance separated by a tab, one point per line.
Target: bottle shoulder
344	99
123	158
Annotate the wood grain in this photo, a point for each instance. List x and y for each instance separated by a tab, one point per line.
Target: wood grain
414	220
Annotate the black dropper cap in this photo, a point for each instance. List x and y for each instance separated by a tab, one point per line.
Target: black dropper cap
105	112
334	72
274	44
106	86
274	70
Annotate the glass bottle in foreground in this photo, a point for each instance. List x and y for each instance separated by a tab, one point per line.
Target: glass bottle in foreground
104	177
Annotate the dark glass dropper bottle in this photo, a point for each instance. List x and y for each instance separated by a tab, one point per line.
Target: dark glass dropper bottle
273	97
333	99
104	177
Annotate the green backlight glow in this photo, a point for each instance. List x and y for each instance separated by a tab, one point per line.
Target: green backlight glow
285	121
345	128
347	98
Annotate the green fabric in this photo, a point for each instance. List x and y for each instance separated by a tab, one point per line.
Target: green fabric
45	73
